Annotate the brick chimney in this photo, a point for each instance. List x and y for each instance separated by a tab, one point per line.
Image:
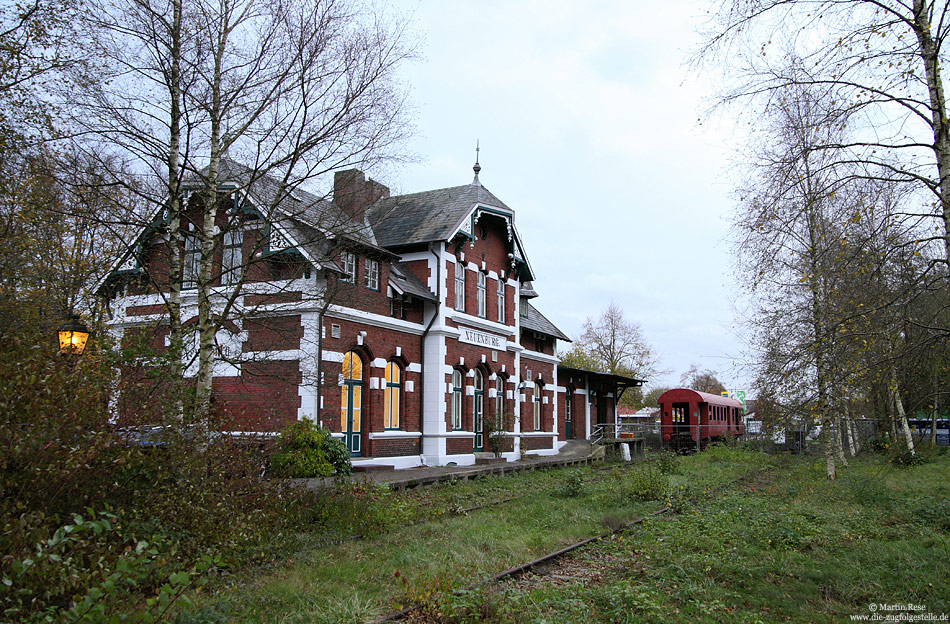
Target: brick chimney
353	192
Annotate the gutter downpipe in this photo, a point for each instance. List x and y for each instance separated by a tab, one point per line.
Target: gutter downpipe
422	347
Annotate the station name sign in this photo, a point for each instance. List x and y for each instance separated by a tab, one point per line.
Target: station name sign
482	339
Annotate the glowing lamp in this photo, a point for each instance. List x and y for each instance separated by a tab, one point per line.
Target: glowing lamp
73	336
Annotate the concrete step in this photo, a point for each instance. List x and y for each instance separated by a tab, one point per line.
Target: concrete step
576	448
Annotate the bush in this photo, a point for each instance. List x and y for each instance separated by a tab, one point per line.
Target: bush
307	450
60	456
573	485
666	463
906	459
647	485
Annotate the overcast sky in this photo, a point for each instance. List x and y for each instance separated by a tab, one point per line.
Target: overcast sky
589	127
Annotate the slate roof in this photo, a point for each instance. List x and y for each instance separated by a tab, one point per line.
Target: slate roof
297	205
536	321
406	281
428	216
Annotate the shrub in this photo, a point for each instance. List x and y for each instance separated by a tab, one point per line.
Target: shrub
308	450
647	485
573	485
906	459
666	463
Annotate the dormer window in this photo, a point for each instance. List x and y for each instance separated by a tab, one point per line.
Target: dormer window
524	307
231	256
348	260
190	262
371	275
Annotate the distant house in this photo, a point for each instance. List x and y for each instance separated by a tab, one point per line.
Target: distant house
405	324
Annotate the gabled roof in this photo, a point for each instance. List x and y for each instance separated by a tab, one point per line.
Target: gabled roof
307	220
428	216
536	321
405	282
298	205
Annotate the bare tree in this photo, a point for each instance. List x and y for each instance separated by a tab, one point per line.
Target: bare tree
702	380
244	102
615	345
878	60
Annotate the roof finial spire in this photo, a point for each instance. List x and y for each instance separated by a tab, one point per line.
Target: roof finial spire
477	166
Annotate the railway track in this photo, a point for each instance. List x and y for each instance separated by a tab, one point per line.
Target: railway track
551	557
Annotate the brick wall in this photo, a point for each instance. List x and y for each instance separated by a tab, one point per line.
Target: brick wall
378	343
263	398
473	359
458	446
537	443
273	333
394	448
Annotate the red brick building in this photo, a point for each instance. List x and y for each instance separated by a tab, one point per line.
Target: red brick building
403	324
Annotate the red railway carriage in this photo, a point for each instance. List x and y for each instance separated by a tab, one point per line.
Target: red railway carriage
688	416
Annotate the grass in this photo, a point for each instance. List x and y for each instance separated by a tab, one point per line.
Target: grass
784	545
790	547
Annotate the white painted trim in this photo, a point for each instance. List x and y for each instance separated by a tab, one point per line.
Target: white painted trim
452	434
377	320
333	356
480	323
540	357
393	435
398	463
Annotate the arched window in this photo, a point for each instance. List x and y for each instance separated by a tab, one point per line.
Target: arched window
351	401
537	406
392	396
456	399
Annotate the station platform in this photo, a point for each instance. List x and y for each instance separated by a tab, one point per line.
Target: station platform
410	478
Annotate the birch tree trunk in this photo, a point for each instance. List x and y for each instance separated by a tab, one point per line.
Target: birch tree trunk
901	415
829	451
850	427
206	324
175	338
930	54
839	443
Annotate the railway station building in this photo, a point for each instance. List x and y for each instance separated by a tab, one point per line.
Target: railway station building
407	325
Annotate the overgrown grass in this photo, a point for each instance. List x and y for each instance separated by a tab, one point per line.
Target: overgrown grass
429	550
787	547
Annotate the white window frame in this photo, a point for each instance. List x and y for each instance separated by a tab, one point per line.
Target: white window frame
371	274
537	406
190	262
500	404
348	261
501	300
481	295
456	400
232	256
460	286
